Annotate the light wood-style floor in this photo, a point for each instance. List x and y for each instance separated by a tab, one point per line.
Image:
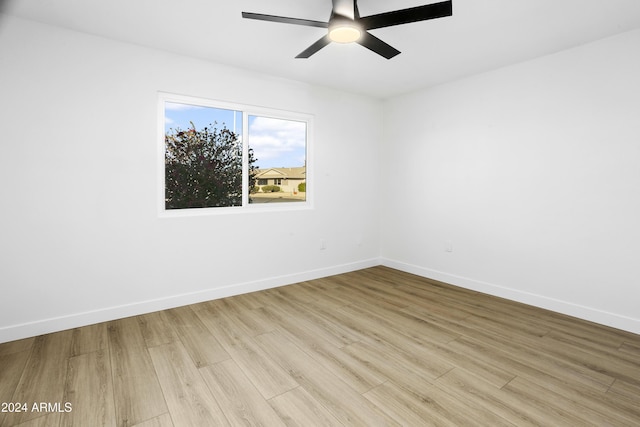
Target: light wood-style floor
368	348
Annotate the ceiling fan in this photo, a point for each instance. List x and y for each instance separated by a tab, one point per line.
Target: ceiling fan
347	26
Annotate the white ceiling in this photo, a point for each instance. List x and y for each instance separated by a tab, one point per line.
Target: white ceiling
480	36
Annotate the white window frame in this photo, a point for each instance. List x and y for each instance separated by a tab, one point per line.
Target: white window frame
246	110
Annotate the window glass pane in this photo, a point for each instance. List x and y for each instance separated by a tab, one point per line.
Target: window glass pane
203	156
279	148
218	154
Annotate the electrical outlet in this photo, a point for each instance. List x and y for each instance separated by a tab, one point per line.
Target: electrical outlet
323	244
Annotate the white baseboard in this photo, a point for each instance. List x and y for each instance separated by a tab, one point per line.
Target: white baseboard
586	313
44	326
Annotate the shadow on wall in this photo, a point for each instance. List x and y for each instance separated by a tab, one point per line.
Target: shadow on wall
4	7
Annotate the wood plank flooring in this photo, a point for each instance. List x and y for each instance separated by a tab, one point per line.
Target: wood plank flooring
376	347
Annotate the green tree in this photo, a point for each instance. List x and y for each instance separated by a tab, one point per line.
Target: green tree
203	168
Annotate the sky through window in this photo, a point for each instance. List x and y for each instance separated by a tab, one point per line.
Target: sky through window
276	142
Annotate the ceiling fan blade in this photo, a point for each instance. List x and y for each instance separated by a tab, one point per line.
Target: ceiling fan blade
285	20
314	47
405	16
378	46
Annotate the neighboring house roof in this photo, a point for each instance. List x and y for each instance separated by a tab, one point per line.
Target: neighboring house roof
282	173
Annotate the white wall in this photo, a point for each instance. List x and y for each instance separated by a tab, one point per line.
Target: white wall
81	239
531	174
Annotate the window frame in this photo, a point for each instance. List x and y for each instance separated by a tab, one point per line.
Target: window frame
246	110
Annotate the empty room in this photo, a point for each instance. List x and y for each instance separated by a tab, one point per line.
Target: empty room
337	213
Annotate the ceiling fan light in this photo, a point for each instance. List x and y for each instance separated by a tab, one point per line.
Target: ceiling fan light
344	33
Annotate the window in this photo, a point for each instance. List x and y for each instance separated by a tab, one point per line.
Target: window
226	157
280	147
